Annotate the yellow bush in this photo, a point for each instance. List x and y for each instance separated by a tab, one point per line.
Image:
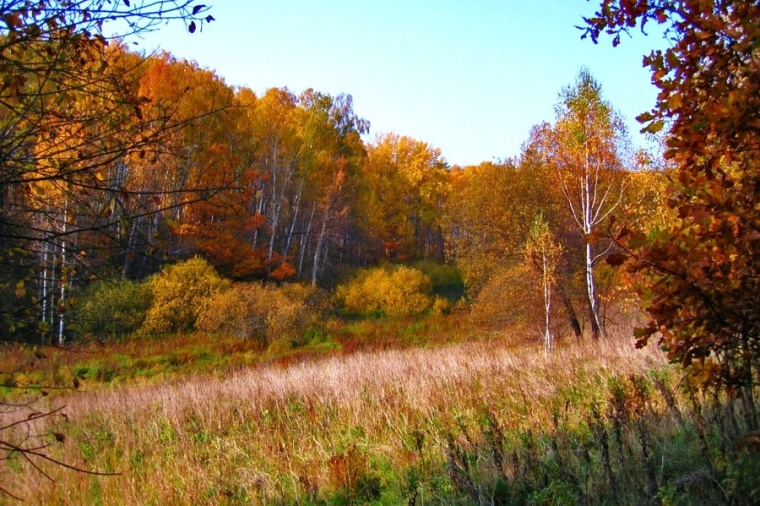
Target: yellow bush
179	293
399	291
316	299
234	313
442	306
267	314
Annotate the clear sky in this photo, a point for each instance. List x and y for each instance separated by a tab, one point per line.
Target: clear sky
467	76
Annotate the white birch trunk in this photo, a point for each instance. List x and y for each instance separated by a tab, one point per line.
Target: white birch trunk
588	202
276	204
44	288
547	305
317	252
305	239
62	296
289	239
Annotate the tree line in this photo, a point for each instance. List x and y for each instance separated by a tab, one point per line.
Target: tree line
114	164
117	163
170	162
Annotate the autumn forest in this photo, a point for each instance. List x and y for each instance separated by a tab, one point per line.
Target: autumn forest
576	324
159	161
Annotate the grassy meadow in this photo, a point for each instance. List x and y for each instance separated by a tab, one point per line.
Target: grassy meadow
233	297
425	419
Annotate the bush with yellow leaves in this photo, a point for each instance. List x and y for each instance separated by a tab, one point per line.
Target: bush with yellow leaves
386	290
442	306
264	313
179	294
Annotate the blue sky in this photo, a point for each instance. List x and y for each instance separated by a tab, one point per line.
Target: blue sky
469	77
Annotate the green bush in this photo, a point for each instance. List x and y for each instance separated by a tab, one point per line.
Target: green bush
446	280
267	314
111	309
179	294
391	291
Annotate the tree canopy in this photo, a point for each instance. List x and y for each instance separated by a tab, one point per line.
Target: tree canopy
703	285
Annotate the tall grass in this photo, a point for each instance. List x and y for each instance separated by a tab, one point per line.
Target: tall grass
467	423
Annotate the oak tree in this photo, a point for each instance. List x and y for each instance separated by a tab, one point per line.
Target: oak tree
704	280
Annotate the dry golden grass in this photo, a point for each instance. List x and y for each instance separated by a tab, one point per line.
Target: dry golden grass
285	433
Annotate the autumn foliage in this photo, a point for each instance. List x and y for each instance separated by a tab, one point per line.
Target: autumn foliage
268	188
146	202
71	114
702	271
262	313
180	293
112	309
388	290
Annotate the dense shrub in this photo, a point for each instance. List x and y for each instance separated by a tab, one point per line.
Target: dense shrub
477	272
509	297
391	291
316	300
111	308
267	314
179	294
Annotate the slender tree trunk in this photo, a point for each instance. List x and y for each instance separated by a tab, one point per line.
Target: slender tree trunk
273	234
587	205
130	247
44	289
152	230
317	252
547	306
597	326
62	296
259	207
748	390
289	239
51	283
276	204
572	316
305	239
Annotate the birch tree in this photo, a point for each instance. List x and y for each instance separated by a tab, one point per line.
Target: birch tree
64	109
402	190
586	147
542	254
332	155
